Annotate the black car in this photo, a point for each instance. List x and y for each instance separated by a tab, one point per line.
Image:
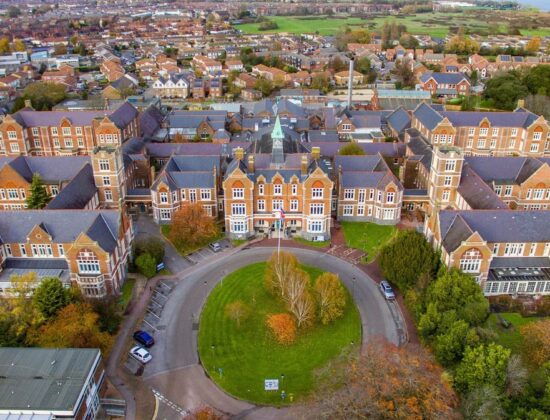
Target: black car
144	338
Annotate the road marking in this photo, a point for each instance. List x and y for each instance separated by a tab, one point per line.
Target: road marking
170	404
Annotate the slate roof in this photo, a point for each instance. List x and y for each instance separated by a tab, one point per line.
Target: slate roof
189	163
77	193
165	150
52	169
503	169
477	193
331	149
30	118
123	115
399	120
429	117
444	78
150	121
360	163
63	225
323	135
494	226
39	379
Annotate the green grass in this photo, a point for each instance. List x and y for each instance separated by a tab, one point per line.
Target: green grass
509	337
238	242
126	293
248	354
316	244
433	24
368	237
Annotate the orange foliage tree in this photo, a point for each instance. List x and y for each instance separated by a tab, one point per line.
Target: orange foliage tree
536	342
384	381
76	325
283	327
192	227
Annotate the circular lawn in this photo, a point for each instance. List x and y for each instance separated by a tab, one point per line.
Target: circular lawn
240	357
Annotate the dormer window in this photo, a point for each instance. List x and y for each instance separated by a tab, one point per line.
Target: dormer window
277	189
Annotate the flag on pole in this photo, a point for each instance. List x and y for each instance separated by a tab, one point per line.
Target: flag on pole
281	214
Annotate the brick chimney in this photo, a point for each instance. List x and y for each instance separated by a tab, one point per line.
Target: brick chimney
304	164
28	103
315	152
251	163
239	153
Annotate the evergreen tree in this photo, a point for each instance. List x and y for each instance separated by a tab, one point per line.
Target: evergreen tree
39	197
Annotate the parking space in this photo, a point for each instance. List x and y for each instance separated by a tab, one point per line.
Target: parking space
151	319
207	251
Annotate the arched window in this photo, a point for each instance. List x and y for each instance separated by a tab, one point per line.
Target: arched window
470	262
88	263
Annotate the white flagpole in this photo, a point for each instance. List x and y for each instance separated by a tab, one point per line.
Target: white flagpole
279	237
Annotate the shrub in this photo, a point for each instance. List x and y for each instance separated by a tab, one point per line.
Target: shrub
150	245
283	327
146	265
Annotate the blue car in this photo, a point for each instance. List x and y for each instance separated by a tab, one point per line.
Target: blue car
144	338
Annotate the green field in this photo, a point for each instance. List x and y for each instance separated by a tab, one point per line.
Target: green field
248	354
368	237
509	337
433	24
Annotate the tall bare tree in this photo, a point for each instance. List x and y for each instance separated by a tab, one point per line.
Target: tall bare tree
304	309
278	270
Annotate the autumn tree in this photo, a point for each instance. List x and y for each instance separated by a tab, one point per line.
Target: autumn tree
237	311
461	44
283	327
321	82
44	95
19	45
383	381
279	267
337	64
192	227
50	296
76	325
39	196
304	309
351	148
264	85
4	45
331	297
536	342
17	312
533	46
203	413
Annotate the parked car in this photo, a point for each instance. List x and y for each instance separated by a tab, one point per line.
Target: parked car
141	354
386	290
144	338
216	247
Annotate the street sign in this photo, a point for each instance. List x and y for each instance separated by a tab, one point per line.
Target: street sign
271	384
160	266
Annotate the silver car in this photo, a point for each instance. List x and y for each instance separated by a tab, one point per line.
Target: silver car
386	290
141	354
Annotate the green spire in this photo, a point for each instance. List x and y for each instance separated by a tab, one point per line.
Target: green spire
277	132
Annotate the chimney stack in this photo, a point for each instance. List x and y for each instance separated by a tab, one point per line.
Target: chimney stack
251	163
28	103
315	152
350	81
239	153
521	103
304	164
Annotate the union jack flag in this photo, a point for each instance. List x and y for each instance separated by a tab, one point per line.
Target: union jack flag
281	214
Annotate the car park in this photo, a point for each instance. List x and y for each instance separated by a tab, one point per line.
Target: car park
386	290
144	338
141	354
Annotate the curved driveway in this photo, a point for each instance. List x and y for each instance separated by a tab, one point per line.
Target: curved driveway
175	371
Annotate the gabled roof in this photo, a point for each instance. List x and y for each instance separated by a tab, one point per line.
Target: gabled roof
503	169
124	115
77	193
52	169
63	225
496	225
399	120
444	78
477	193
428	116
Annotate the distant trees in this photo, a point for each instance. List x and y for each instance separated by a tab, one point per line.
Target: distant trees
38	197
362	65
320	81
383	381
461	44
533	46
268	25
19	45
4	45
405	74
264	85
43	95
192	227
347	36
351	148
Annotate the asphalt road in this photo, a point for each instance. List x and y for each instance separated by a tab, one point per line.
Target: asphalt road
175	351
